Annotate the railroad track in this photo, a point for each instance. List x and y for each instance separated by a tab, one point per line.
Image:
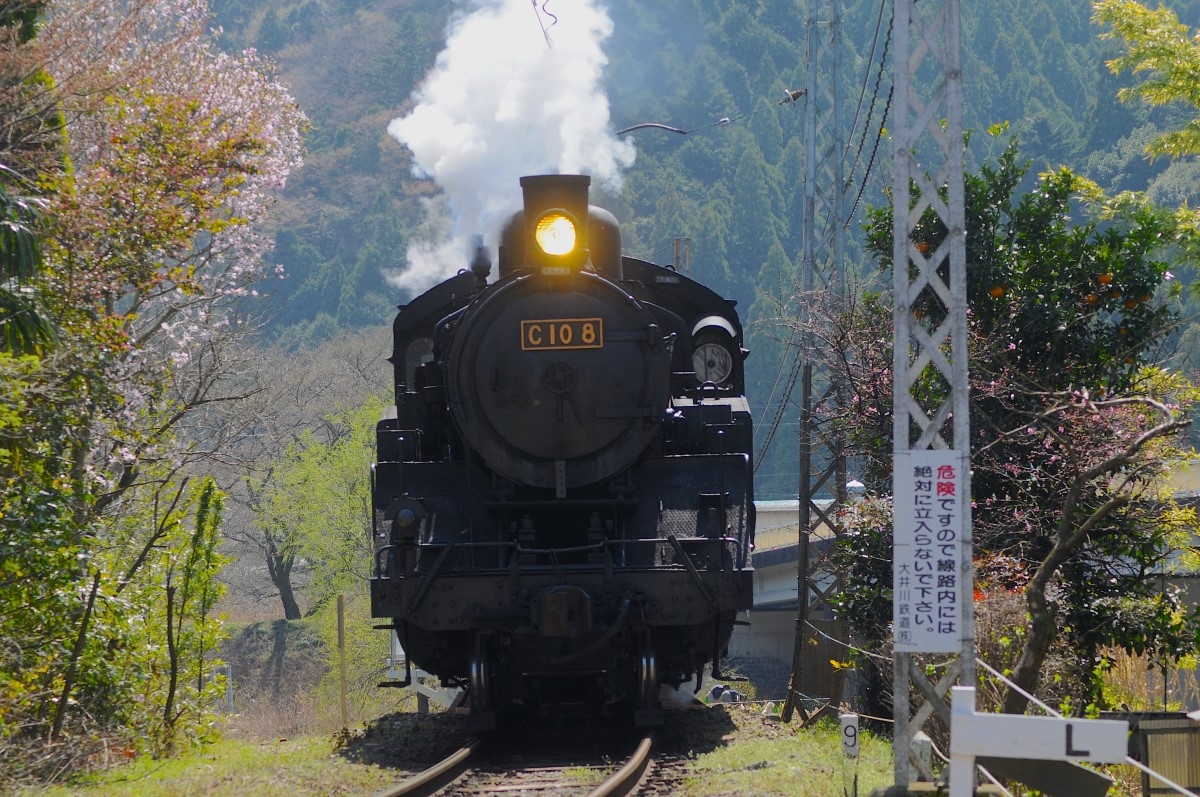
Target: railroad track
480	768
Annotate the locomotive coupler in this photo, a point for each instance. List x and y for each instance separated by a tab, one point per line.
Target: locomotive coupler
563	611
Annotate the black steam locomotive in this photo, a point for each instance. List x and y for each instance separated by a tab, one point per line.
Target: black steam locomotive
563	498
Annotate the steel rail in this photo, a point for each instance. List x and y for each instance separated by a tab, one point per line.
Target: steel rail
438	776
625	780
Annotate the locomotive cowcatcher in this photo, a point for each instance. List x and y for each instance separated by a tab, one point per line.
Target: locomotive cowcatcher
563	501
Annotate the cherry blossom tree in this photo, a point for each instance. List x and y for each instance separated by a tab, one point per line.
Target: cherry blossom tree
154	157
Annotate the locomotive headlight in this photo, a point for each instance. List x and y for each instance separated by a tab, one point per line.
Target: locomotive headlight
555	233
407	515
712	362
406	519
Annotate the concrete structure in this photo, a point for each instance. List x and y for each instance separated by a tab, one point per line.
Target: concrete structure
771	633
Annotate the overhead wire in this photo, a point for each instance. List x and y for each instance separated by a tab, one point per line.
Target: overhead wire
871	161
870	60
793	375
862	187
853	166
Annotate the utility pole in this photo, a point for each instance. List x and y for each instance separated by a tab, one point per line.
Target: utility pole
822	269
930	342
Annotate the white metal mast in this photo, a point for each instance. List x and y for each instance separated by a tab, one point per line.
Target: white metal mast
928	123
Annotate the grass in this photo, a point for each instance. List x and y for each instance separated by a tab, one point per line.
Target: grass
277	768
588	776
798	762
803	762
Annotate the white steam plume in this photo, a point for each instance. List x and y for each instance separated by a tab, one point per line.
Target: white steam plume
499	104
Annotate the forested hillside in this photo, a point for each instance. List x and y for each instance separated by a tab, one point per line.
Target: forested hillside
735	188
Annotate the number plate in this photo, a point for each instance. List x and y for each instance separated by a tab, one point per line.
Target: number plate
562	333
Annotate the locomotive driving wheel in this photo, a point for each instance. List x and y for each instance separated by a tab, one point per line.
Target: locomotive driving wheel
480	683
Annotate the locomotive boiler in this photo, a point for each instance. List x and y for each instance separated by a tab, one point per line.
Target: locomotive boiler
563	499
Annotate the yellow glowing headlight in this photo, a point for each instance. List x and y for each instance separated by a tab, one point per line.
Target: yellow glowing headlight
555	234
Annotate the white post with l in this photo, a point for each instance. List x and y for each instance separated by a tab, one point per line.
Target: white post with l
1018	736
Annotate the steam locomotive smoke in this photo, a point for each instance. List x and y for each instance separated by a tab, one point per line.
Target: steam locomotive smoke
498	104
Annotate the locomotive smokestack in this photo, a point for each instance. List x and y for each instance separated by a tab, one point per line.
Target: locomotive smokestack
481	264
567	191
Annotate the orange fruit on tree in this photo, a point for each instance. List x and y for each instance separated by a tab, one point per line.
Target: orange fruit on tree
1104	278
996	292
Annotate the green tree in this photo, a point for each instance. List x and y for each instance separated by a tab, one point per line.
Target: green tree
24	326
41	422
148	656
192	591
136	252
754	227
320	493
290	396
1072	427
273	32
1157	43
1164	54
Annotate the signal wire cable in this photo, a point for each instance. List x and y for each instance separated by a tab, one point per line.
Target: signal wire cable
778	376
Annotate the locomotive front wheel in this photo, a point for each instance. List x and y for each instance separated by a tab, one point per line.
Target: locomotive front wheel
647	673
481	676
648	712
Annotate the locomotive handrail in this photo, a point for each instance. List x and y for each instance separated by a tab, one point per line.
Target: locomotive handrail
514	547
563	503
692	571
721	477
599	546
